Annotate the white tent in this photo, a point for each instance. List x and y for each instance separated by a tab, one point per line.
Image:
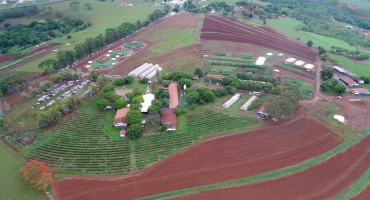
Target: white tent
113	58
88	66
90	62
110	51
108	54
290	60
260	60
308	66
248	103
231	101
299	63
117	56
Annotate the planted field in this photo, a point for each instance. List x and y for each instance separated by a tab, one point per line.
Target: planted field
12	185
214	160
357	68
324	181
218	28
305	88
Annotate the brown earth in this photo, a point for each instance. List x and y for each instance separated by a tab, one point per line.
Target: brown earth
5	57
218	28
289	74
322	181
40	49
214	160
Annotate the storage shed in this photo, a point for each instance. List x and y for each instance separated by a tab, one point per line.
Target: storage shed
348	81
174	95
169	119
119	119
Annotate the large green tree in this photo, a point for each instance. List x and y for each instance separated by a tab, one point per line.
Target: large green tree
133	117
135	131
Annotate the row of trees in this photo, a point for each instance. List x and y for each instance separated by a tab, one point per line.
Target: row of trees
12	84
332	86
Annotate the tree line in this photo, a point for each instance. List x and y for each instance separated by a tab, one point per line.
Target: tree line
285	104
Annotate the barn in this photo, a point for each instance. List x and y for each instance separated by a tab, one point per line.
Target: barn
174	95
340	70
359	91
119	119
348	81
169	119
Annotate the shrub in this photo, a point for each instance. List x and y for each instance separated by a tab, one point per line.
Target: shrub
135	131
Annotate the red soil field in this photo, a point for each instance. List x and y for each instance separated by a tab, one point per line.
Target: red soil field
364	194
216	159
289	74
4	57
322	181
218	28
186	20
40	49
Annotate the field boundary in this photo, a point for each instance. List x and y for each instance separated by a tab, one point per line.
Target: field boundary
265	176
356	188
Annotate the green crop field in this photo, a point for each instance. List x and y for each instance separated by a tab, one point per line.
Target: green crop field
288	26
360	68
80	145
12	185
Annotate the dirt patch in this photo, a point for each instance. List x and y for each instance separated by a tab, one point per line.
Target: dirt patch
323	181
218	28
216	159
275	59
283	73
5	57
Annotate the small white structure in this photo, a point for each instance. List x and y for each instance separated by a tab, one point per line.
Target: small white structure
290	60
90	62
339	118
299	63
308	66
248	103
350	27
269	54
110	51
108	55
280	54
231	101
140	69
150	70
147	102
88	66
153	73
113	58
117	56
276	70
4	2
260	60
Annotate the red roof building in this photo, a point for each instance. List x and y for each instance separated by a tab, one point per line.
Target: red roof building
169	118
174	95
120	116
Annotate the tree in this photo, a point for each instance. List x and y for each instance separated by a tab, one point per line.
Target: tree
135	131
153	118
157	102
120	103
74	5
365	79
15	54
167	9
94	74
133	117
207	79
6	25
192	97
48	65
264	21
69	37
326	74
284	104
321	50
88	6
230	89
185	81
309	43
37	174
102	104
163	128
138	24
154	109
208	96
339	89
198	71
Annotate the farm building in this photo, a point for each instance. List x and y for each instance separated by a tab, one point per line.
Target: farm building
260	60
174	95
141	69
308	66
340	70
122	133
119	119
299	63
147	102
359	91
231	101
153	73
348	81
248	103
148	71
290	60
169	118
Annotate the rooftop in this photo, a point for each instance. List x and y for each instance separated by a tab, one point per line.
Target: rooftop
348	80
359	91
169	117
174	95
147	102
120	115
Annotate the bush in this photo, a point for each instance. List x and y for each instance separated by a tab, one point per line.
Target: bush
163	128
135	131
69	36
144	80
102	104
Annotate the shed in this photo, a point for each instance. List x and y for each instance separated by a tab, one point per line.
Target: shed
348	81
174	95
169	118
122	133
340	70
119	119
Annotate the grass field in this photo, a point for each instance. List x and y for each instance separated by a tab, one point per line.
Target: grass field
304	87
12	185
358	68
364	4
288	26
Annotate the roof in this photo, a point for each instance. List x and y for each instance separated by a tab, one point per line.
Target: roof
120	115
169	117
359	91
174	95
147	102
339	69
348	80
122	133
215	76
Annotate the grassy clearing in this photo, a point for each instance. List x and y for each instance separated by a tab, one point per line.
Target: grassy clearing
12	185
358	68
170	39
265	176
188	66
288	26
356	188
304	87
364	4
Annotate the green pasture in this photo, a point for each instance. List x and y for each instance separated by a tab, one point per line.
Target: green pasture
223	70
188	66
288	26
169	39
12	185
364	4
359	68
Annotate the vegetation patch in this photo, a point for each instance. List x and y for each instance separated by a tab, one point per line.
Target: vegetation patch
305	88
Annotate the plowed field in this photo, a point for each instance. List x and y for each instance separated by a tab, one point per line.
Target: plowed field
214	160
4	57
218	28
323	181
